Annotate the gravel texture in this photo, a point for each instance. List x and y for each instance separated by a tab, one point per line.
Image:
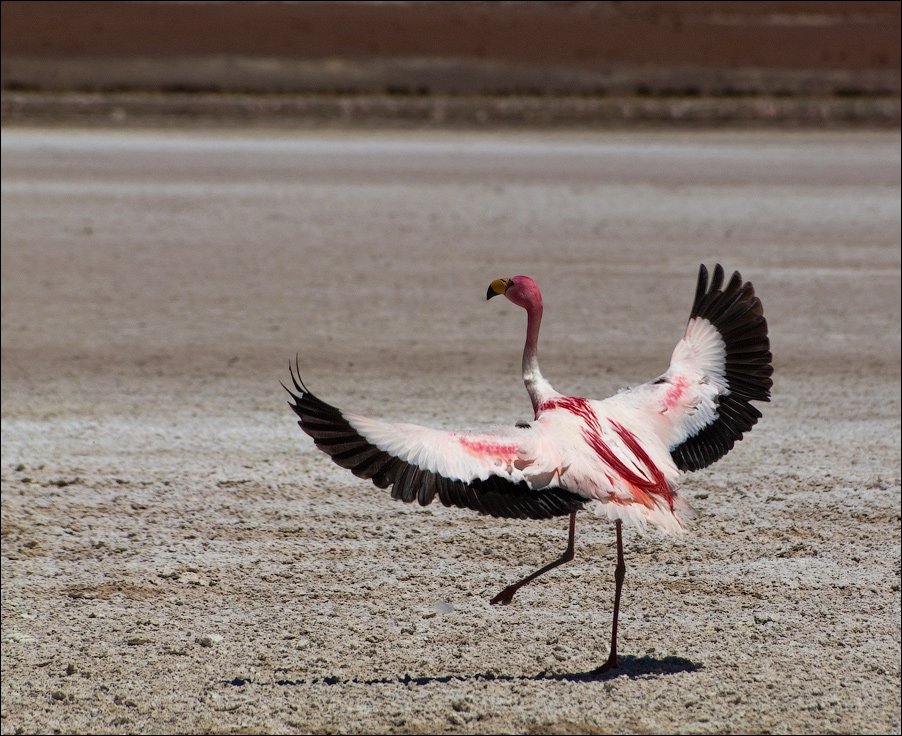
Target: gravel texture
177	556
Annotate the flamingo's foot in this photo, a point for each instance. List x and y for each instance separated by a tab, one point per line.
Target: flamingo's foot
505	596
611	664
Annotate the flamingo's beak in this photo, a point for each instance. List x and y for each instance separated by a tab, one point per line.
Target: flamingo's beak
498	286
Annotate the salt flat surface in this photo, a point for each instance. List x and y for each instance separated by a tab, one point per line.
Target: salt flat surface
176	555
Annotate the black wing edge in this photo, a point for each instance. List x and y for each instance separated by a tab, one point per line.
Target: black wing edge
495	496
739	318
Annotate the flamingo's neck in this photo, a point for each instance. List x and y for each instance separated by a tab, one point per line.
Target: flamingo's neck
538	388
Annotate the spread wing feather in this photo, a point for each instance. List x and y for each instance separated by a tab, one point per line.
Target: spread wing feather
702	405
496	473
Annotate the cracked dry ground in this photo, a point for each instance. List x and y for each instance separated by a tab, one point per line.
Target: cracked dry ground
176	555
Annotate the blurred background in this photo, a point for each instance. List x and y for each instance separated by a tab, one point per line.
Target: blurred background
448	63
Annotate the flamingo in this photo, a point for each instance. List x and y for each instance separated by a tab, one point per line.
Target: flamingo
624	455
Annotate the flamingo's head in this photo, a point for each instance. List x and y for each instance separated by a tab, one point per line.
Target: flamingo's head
521	290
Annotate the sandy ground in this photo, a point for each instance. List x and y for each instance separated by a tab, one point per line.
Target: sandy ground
176	556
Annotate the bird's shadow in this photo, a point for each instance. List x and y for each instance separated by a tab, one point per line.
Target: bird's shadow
631	667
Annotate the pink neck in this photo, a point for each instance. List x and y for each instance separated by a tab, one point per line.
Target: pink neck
525	293
531	348
532	376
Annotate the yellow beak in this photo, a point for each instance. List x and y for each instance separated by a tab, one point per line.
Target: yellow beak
498	286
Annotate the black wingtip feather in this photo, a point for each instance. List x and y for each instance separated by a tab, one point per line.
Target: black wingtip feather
700	288
738	315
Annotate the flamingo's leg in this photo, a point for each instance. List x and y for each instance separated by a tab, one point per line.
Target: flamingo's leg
619	574
507	595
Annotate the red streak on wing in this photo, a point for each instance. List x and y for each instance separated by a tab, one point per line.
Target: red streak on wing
658	484
672	397
573	404
643	488
487	449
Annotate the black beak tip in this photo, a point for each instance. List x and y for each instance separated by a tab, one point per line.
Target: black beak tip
490	293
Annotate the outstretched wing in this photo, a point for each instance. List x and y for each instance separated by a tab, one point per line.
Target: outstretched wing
508	473
702	405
